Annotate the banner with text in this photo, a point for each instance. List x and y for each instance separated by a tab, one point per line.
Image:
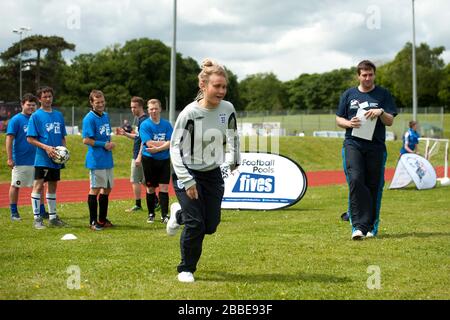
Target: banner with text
264	181
412	167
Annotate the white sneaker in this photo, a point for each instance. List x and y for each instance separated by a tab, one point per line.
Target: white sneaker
357	235
186	277
370	235
172	225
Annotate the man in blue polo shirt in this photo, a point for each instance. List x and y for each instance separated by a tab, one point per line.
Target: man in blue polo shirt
364	158
21	154
46	130
99	160
155	134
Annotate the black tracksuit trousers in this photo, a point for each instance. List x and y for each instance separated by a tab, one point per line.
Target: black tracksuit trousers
364	170
200	216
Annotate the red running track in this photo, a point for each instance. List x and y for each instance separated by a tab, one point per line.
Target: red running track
77	191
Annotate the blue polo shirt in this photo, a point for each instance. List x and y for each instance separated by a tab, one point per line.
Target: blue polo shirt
48	128
23	153
98	128
377	98
156	132
411	137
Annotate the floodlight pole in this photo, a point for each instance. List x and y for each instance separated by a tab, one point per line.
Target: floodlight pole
20	31
414	77
173	67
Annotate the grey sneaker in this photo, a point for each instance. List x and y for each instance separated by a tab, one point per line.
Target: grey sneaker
39	223
16	217
56	222
172	225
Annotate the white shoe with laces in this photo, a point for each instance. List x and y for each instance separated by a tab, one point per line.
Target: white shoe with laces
172	225
357	235
186	277
370	235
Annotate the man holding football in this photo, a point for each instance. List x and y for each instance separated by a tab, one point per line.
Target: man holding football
46	131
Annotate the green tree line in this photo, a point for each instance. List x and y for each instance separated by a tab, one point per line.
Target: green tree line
141	67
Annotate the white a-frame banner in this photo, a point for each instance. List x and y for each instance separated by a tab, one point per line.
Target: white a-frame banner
412	167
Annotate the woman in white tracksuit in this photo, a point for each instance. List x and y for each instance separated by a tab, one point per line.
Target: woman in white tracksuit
197	150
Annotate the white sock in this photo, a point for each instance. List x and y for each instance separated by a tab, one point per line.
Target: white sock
36	204
51	202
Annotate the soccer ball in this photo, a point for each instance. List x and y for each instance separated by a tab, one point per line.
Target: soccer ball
63	155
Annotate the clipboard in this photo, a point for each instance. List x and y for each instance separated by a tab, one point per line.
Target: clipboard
367	125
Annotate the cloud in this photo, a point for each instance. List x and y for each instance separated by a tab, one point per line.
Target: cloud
286	37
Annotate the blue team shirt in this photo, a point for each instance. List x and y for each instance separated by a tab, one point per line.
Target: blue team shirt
379	97
156	132
23	153
97	128
137	138
412	138
48	128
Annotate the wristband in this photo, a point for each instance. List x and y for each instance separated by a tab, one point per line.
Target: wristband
382	111
99	143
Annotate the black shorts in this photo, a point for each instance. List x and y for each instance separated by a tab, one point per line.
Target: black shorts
156	171
48	174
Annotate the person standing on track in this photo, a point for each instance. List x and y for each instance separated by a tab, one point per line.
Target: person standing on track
137	171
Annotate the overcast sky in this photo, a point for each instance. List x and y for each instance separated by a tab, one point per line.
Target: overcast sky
286	37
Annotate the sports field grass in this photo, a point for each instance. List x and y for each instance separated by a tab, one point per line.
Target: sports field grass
303	252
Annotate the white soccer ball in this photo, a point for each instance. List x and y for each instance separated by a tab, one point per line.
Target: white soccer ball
63	155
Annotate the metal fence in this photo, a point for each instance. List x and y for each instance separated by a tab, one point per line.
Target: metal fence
431	120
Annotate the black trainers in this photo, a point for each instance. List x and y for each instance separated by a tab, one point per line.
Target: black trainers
164	219
151	218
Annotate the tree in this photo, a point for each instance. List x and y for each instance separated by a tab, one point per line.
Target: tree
444	88
38	44
141	67
320	91
263	91
397	75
